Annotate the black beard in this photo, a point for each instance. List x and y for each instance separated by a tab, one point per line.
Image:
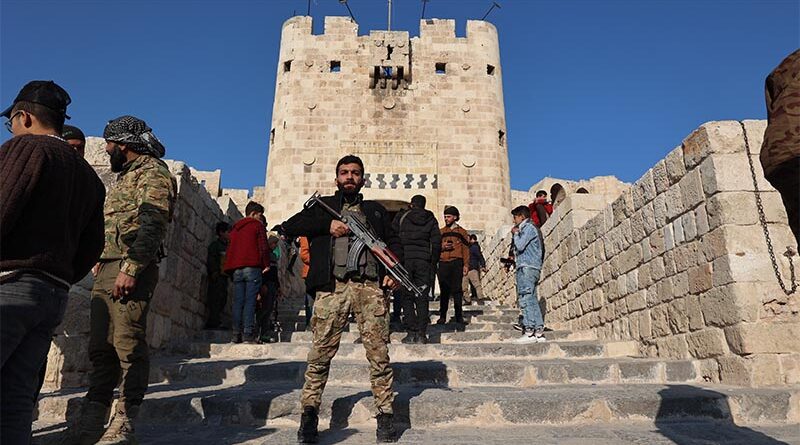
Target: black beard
348	192
117	160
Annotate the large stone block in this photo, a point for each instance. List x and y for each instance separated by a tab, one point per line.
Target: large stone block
765	370
707	343
731	304
712	137
765	337
673	347
691	187
675	165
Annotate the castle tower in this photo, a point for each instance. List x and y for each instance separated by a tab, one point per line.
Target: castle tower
425	114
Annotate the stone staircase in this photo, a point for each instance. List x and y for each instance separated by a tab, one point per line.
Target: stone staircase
464	387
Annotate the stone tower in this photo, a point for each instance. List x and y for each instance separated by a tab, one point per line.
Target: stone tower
425	114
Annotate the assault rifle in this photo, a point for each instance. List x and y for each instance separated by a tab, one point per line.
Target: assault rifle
364	239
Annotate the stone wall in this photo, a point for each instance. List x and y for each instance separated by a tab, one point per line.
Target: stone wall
679	262
211	180
178	307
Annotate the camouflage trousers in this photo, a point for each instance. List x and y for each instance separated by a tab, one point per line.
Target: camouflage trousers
117	343
331	310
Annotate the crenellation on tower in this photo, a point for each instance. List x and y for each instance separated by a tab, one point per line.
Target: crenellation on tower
425	113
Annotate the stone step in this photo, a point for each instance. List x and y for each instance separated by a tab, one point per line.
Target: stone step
447	373
439	336
404	352
436	334
480	431
269	404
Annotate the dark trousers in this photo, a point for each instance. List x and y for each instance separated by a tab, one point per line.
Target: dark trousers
266	307
117	337
451	275
217	299
31	307
786	180
415	308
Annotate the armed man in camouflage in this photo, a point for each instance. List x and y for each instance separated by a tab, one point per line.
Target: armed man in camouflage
339	292
137	210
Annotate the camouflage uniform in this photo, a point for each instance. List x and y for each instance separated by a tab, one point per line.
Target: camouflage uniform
780	152
331	310
217	282
337	297
137	210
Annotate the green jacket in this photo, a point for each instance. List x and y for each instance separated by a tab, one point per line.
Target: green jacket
137	211
216	259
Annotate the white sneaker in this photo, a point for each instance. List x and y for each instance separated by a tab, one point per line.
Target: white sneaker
527	337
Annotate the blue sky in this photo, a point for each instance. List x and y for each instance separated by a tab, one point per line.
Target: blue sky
591	87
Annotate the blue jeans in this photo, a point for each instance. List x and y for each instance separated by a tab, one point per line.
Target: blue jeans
527	279
31	307
246	282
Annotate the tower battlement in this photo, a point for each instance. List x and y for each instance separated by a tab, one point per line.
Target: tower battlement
425	113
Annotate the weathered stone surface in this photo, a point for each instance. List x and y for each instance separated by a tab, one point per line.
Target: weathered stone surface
707	343
754	338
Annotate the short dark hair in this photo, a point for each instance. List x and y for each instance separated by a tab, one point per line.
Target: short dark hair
253	206
350	159
473	236
541	193
222	227
522	210
49	117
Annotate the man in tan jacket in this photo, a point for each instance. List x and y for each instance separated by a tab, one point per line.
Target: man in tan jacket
453	266
780	154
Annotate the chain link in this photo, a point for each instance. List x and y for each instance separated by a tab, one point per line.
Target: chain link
763	219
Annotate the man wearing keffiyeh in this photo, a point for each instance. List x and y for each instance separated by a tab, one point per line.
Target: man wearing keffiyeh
137	210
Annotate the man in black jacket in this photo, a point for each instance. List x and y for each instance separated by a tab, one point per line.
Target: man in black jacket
339	291
422	242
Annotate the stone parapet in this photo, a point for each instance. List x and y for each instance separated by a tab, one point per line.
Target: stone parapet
679	263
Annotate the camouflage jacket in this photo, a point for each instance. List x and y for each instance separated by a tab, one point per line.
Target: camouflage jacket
137	210
782	137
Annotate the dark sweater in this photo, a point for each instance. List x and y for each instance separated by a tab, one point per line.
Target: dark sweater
51	208
314	223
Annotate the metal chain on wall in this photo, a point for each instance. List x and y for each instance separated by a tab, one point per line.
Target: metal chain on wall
763	219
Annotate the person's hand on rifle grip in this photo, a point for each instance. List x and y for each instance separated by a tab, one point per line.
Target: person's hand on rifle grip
390	283
338	228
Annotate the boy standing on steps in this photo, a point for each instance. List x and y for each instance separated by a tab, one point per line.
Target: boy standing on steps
527	244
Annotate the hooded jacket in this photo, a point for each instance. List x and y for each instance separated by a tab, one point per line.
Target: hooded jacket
315	222
782	136
248	246
419	235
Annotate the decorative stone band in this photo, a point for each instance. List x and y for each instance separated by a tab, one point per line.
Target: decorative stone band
401	181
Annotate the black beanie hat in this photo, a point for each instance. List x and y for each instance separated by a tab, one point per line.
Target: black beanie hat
451	210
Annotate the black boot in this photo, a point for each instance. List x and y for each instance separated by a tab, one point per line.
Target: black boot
386	432
308	426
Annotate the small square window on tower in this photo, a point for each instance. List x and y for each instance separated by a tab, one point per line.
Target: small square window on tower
336	66
490	70
441	68
287	66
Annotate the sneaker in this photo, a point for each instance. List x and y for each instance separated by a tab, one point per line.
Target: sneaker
518	327
385	433
440	321
527	337
309	420
422	339
539	334
236	337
